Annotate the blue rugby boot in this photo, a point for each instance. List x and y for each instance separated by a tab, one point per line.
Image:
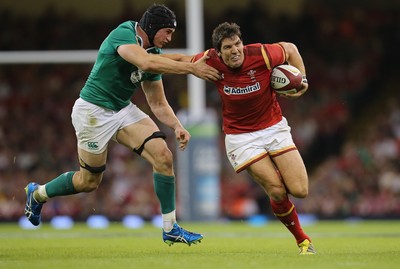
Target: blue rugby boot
180	235
32	207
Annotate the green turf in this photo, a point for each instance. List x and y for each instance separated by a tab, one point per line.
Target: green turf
367	244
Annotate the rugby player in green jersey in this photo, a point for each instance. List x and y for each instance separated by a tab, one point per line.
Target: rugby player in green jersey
128	59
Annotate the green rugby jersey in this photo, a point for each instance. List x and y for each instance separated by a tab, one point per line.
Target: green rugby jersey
113	81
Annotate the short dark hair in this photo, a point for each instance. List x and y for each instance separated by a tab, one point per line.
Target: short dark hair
224	30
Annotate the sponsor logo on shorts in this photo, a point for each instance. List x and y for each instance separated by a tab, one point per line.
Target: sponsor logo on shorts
232	157
237	90
92	145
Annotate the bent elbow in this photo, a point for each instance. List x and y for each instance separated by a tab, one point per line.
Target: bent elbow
291	48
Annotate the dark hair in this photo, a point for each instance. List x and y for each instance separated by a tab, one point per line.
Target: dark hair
155	18
224	30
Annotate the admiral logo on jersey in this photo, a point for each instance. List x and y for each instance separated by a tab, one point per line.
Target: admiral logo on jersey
237	90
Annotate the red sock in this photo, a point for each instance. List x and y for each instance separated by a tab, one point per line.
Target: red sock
287	214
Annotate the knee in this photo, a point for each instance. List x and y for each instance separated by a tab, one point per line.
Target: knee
301	192
163	161
90	186
276	190
277	194
87	182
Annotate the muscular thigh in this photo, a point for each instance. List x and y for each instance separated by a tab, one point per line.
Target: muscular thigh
293	172
133	135
94	160
265	174
155	150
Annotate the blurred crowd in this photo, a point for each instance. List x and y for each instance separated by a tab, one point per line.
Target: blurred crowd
347	126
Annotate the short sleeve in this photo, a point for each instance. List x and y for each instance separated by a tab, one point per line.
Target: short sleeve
198	56
275	53
123	34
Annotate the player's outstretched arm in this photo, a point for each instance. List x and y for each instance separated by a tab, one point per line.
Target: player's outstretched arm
136	55
178	57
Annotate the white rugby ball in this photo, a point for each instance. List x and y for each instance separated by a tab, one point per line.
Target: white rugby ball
286	79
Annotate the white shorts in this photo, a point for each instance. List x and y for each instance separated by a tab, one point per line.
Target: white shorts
95	126
245	149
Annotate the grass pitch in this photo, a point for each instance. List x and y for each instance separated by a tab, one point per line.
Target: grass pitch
364	244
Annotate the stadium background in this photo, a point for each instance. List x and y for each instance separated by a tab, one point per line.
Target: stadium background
347	126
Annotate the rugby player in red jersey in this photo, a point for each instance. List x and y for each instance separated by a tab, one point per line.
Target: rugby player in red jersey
258	137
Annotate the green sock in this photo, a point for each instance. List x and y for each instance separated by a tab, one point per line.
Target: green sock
164	187
61	185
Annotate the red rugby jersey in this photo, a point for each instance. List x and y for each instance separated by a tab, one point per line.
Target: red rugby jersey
248	102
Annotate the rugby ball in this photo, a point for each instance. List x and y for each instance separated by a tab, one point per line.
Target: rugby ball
286	79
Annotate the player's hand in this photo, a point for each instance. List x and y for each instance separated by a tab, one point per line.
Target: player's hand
182	136
303	89
204	71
